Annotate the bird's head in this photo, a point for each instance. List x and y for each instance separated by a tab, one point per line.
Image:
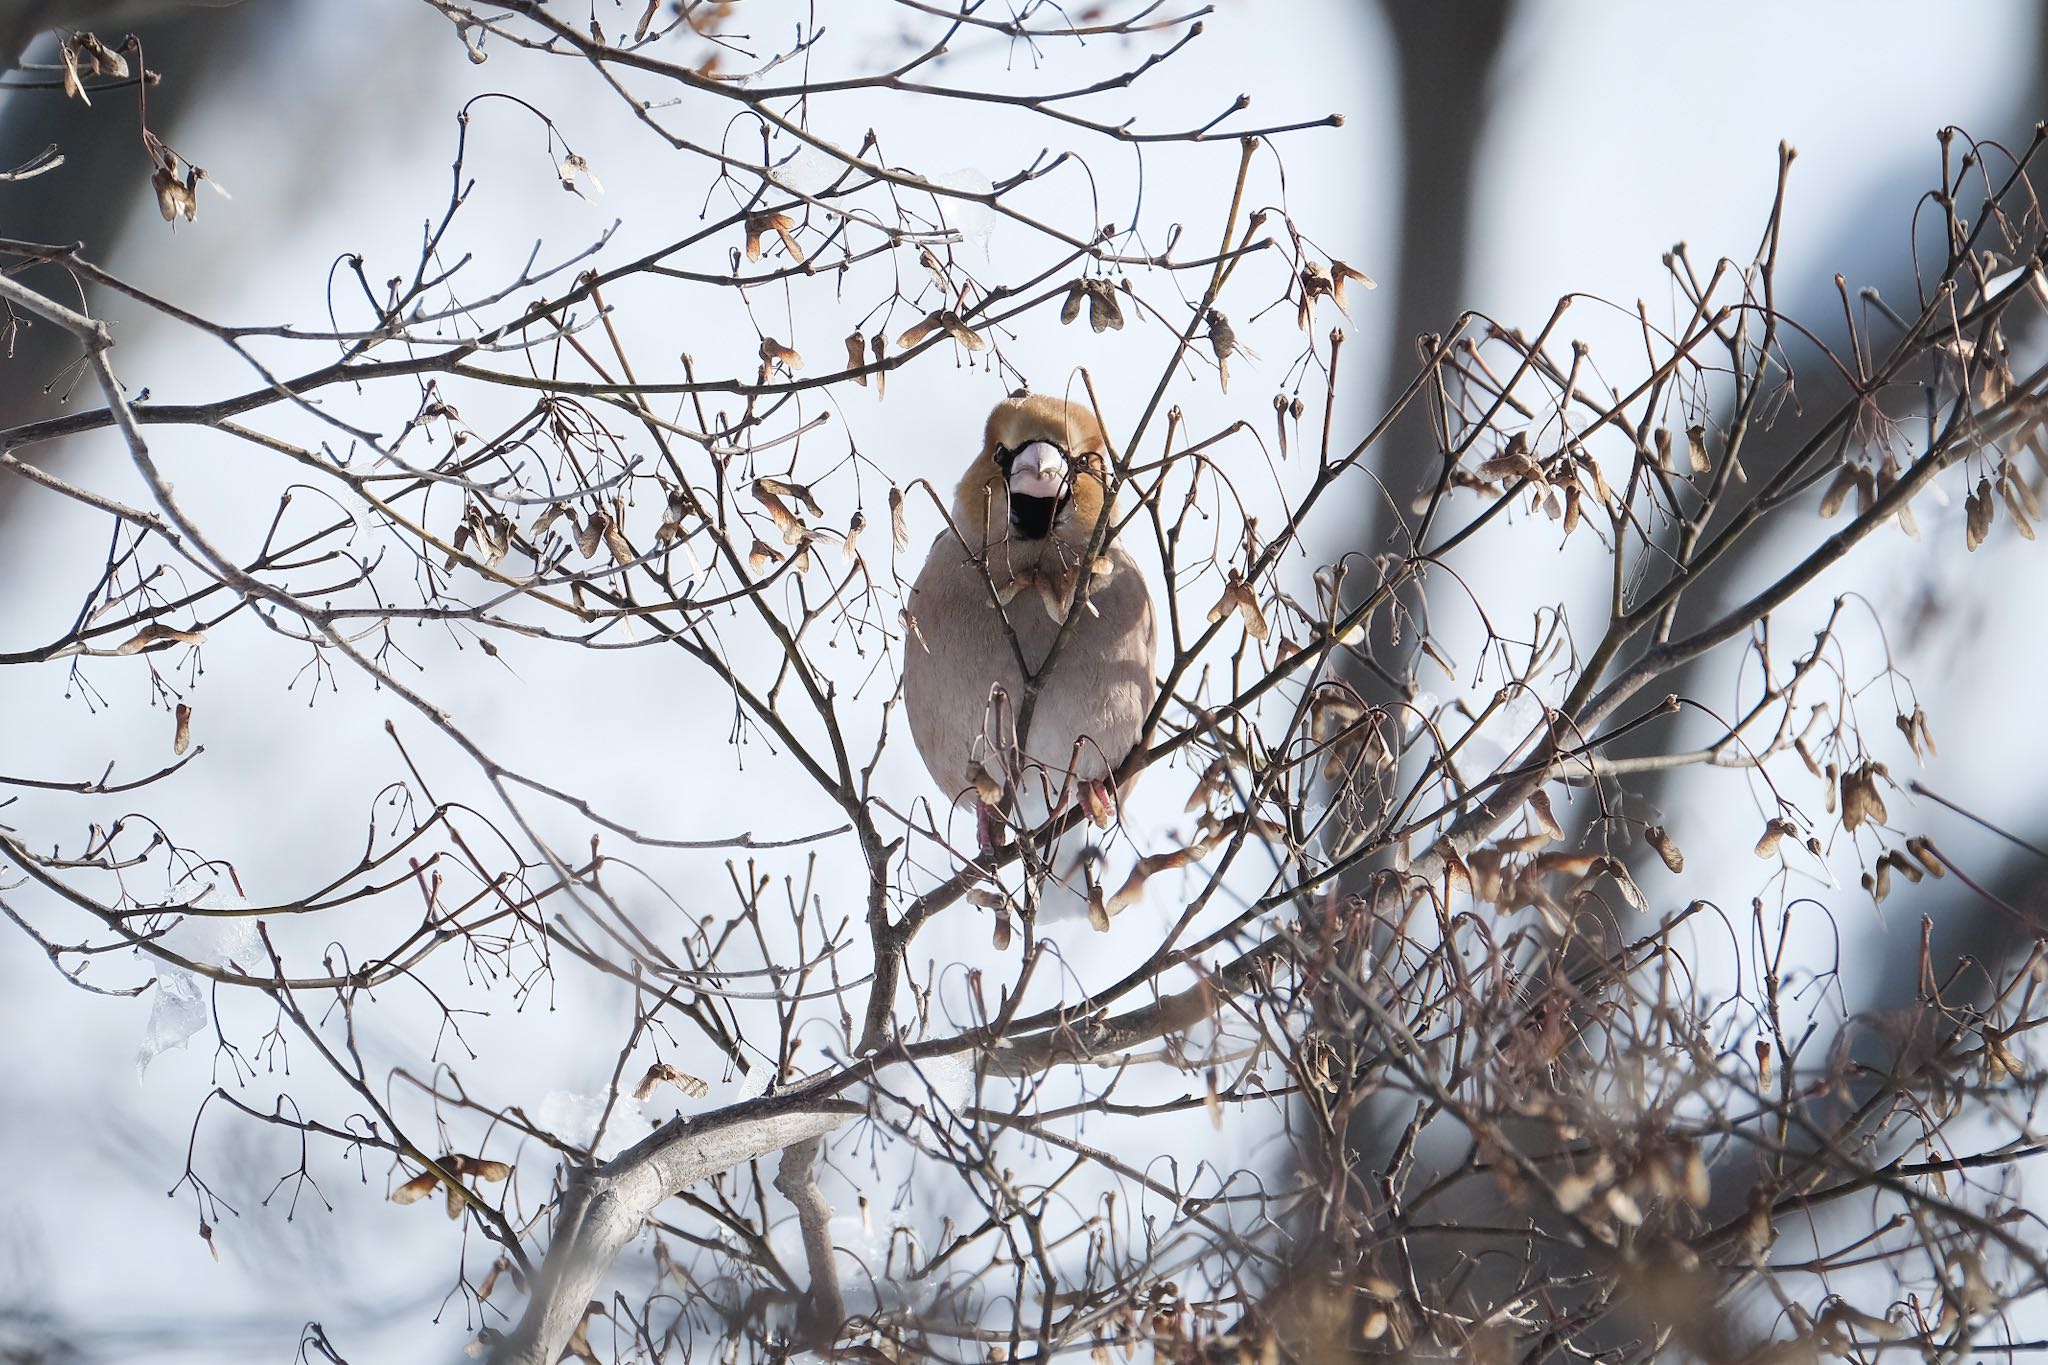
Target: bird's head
1040	475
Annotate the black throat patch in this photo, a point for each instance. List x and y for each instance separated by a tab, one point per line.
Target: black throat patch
1031	518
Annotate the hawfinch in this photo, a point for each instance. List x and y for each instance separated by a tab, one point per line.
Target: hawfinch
997	588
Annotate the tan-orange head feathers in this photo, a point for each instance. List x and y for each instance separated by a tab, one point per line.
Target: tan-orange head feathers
1040	473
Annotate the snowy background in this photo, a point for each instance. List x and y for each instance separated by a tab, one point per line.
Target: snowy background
1611	133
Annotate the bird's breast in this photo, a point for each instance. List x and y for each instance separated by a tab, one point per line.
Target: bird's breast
965	669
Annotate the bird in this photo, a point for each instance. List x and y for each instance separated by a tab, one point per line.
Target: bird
999	586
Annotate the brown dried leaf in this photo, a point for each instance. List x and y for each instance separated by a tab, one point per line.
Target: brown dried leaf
774	352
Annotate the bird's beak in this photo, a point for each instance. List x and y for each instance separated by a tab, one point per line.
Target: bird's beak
1038	483
1038	471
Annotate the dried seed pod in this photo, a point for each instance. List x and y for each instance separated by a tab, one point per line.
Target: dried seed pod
2018	479
661	1073
1922	849
1978	514
800	492
1774	832
1071	309
1239	596
2015	509
1666	847
857	355
1513	462
931	323
1696	449
787	522
1838	491
1339	273
1861	801
1104	312
961	332
756	227
774	352
899	521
